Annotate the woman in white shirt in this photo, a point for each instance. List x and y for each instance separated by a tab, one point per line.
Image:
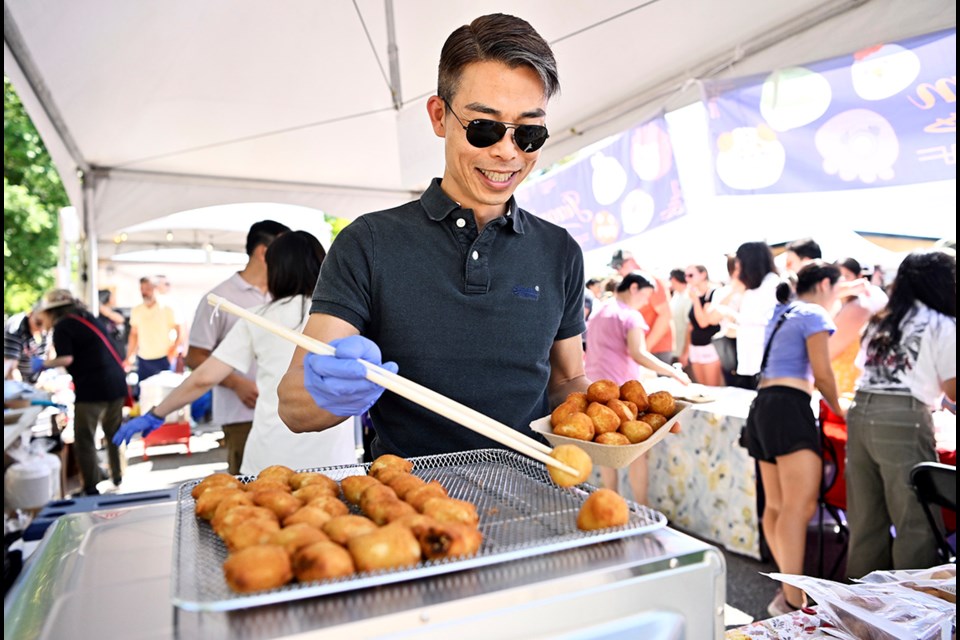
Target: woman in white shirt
293	264
909	361
756	276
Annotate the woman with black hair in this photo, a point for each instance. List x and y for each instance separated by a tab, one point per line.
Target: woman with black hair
782	432
909	361
755	278
293	265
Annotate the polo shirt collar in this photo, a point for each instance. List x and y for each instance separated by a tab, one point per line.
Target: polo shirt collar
243	284
439	205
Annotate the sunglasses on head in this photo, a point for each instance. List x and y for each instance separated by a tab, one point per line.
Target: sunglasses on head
486	133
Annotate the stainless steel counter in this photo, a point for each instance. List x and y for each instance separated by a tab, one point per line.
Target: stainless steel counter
106	574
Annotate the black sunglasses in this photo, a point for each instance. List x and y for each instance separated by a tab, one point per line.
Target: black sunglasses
486	133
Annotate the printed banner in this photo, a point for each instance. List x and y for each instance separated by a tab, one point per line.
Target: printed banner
882	116
620	190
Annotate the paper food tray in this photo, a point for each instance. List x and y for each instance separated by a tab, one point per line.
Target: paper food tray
611	455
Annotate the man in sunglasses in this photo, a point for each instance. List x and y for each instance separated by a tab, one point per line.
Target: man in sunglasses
463	291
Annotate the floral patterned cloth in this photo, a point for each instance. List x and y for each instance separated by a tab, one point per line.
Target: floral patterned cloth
797	624
703	480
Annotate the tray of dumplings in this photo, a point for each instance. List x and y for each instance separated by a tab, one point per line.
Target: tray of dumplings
243	541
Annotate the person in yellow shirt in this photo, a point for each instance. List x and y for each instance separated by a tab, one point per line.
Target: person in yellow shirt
156	337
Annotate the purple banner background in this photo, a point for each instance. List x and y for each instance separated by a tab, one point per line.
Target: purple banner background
621	190
881	116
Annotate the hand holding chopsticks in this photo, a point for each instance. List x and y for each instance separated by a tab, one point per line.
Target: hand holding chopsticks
416	393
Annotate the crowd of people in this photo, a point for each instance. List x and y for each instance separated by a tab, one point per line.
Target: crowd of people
882	363
473	297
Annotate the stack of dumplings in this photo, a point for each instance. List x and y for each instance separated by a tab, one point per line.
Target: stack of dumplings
287	525
612	414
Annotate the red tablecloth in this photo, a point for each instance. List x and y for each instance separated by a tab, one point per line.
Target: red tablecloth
835	432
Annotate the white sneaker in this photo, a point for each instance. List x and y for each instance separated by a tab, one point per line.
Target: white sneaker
779	605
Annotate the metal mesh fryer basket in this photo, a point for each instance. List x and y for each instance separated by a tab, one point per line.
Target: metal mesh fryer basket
522	514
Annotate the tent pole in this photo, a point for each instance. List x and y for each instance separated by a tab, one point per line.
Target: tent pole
90	253
393	56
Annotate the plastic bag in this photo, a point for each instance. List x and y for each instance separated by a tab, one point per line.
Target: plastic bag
940	582
27	482
878	610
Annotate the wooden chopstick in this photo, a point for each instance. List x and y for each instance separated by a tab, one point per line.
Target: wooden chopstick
412	391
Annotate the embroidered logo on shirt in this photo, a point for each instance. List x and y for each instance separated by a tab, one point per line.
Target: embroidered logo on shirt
529	293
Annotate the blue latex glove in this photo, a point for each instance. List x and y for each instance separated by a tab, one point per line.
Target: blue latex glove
36	364
144	425
338	383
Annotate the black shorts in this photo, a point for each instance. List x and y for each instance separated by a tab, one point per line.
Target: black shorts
781	421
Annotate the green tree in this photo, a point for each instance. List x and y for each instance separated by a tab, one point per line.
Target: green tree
32	197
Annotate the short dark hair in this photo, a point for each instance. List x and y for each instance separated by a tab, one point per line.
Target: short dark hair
637	278
812	273
850	264
805	248
293	264
678	274
501	38
591	282
619	257
263	233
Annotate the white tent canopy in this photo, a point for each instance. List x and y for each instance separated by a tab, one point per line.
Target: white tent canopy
158	106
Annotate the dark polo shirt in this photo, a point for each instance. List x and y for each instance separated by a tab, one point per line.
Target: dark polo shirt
472	316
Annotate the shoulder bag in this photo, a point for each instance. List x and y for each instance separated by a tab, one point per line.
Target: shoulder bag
128	402
763	364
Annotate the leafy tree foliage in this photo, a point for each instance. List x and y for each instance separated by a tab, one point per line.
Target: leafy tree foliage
32	197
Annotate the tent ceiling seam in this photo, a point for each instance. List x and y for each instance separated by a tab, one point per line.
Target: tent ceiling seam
258	183
617	16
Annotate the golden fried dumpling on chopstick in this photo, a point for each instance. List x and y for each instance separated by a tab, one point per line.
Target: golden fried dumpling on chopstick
572	456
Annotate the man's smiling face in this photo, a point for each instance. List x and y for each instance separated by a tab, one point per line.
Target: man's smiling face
484	179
